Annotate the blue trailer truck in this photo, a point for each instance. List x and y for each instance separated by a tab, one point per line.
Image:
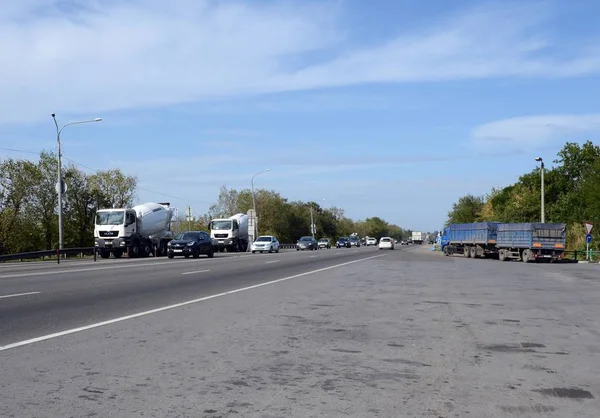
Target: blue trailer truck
471	240
522	241
531	241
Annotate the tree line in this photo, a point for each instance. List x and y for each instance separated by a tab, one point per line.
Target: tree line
29	216
290	220
28	203
572	196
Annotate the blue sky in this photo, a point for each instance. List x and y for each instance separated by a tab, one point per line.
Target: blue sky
390	108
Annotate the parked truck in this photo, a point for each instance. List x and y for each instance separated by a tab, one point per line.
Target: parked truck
522	241
140	231
417	237
531	241
231	233
472	240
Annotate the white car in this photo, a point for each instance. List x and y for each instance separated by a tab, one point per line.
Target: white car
386	243
265	243
371	241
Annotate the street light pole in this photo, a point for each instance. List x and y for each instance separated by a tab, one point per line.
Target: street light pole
254	201
540	160
60	190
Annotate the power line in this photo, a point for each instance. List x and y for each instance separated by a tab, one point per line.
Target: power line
95	171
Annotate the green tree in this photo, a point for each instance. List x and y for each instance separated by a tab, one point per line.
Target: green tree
466	210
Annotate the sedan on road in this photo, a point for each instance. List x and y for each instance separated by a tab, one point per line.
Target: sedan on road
343	242
386	243
306	243
324	243
265	243
191	243
371	241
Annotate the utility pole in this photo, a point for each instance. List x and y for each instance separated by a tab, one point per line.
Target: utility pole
312	222
254	202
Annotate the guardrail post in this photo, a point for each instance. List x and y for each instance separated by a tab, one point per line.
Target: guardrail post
95	254
155	248
58	256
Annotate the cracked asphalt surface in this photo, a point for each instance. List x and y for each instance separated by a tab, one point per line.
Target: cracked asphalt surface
410	333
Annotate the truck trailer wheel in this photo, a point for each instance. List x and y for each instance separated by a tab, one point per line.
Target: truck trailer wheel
473	252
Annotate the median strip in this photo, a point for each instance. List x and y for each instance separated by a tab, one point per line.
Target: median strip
177	305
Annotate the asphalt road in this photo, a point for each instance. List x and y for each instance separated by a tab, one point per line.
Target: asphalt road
353	332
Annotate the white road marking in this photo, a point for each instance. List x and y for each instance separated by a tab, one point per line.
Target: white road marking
272	261
19	294
194	272
312	256
338	253
176	305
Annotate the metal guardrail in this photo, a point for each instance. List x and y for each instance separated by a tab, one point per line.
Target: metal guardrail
47	254
50	254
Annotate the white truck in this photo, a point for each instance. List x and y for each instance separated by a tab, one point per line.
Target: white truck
139	231
231	233
417	237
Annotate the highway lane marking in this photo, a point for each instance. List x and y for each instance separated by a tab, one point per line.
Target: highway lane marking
19	294
194	272
312	256
272	261
176	305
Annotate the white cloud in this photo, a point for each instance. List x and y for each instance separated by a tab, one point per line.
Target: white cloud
103	55
535	130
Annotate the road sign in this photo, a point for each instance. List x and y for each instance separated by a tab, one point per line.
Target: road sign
57	187
588	227
588	238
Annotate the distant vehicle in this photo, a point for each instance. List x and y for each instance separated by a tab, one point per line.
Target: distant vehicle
324	243
371	241
403	242
191	243
417	237
386	243
354	241
306	243
231	233
343	242
265	243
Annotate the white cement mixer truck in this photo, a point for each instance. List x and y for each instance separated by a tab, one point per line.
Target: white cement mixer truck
230	233
137	230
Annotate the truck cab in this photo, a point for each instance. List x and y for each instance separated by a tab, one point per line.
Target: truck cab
230	234
113	229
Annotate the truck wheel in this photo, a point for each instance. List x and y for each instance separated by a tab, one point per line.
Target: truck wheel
104	254
473	252
466	252
502	255
525	256
135	249
118	253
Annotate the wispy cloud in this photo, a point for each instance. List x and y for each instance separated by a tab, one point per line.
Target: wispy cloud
102	55
534	130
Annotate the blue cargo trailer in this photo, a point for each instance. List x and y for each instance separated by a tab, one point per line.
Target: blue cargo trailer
471	240
531	241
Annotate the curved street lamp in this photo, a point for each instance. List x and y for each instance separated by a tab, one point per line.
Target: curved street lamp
60	190
541	160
